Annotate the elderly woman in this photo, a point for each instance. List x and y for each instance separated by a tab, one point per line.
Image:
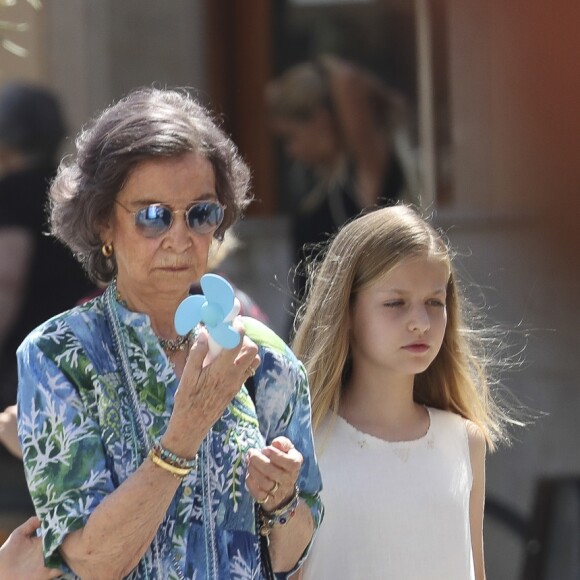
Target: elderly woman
143	459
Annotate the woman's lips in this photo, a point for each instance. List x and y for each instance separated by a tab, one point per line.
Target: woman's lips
176	268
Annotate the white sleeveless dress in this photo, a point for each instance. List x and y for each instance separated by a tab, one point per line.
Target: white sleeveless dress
394	511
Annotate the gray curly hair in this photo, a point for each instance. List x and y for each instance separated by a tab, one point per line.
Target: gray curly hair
148	123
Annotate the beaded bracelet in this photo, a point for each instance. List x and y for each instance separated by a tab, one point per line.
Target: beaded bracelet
172	459
178	472
281	516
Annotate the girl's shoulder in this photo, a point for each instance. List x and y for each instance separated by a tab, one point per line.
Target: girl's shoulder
469	431
450	424
474	432
451	418
476	440
441	418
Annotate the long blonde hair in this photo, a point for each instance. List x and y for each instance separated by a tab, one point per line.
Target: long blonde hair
363	251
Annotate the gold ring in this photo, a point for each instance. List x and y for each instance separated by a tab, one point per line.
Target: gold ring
274	489
251	371
263	501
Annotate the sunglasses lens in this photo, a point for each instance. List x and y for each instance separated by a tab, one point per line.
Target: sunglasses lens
153	220
205	218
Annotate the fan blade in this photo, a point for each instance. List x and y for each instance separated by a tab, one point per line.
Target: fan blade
225	335
187	315
218	290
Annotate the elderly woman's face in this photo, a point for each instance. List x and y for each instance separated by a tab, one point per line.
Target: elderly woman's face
177	257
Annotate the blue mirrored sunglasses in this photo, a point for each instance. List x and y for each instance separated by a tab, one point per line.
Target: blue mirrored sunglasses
202	217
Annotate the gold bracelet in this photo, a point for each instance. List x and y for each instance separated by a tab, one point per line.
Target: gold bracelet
179	472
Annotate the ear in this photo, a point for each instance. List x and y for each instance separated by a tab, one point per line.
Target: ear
105	228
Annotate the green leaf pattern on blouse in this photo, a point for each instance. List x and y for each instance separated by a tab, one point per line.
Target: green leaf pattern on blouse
81	440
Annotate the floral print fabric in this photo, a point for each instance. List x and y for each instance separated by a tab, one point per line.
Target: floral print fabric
80	440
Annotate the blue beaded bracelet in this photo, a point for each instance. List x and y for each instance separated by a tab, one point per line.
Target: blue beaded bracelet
172	459
281	516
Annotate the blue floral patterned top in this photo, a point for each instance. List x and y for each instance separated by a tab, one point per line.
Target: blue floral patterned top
80	440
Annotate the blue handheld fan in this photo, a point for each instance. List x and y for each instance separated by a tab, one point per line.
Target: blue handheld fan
215	309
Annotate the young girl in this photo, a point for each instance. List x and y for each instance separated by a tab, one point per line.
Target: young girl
401	406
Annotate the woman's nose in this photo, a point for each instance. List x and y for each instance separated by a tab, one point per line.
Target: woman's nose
179	235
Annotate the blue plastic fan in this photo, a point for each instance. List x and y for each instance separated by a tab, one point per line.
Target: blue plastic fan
215	309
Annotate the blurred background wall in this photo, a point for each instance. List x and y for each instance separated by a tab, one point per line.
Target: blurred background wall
494	86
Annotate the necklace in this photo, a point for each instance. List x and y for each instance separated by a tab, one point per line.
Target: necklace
169	345
173	345
142	442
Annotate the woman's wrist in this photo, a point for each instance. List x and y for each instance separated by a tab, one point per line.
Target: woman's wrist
174	464
272	504
172	458
177	472
182	439
279	516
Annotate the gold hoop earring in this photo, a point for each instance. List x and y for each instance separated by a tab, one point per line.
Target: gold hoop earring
107	250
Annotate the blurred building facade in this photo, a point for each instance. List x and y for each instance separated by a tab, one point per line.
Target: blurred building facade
496	90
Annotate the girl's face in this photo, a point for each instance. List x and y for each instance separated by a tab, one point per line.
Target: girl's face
397	324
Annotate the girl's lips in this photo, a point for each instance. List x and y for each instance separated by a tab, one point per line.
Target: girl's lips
418	347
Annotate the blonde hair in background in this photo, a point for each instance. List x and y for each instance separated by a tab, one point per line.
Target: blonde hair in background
304	89
300	91
361	253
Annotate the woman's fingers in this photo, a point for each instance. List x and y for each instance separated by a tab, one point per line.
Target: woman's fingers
247	360
205	389
29	527
197	353
283	444
238	359
272	472
272	460
263	488
283	467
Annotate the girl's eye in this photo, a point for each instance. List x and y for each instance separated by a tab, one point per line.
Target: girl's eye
436	302
394	303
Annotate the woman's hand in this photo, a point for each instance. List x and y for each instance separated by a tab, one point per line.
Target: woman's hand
9	432
273	472
271	479
21	555
205	390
